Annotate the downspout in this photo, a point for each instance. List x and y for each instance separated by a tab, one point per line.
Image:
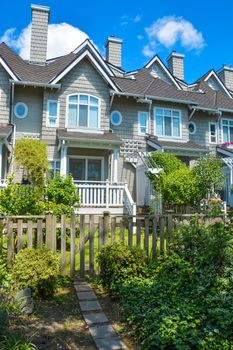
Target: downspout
13	124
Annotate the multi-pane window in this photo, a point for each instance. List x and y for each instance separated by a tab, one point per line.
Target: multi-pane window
167	122
86	169
213	132
83	111
52	113
227	130
142	123
55	166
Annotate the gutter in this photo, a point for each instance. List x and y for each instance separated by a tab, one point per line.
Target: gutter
35	84
155	98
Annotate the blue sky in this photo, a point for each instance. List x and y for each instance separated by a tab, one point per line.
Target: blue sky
202	30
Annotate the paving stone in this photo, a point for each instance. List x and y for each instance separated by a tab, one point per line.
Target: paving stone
86	295
90	306
105	331
93	318
83	288
109	344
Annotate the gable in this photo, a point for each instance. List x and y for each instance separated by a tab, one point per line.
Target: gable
157	71
162	71
215	83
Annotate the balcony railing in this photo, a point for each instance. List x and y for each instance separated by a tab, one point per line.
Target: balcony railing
105	194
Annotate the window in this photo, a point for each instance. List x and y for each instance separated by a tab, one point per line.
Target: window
21	110
227	130
83	111
167	122
213	133
192	128
116	118
142	123
86	169
52	113
55	166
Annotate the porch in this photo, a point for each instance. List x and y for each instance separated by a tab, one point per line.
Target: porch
93	162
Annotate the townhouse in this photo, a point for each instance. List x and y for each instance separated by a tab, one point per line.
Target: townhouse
100	122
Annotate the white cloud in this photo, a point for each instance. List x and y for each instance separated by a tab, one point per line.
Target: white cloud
140	37
126	19
169	30
62	39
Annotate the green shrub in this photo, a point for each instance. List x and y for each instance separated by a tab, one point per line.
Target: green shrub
185	299
118	262
37	269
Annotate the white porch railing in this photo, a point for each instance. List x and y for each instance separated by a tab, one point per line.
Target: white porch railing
106	195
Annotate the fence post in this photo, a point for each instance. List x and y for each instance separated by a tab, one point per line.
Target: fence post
48	231
169	231
9	241
101	232
91	245
39	234
63	243
154	238
82	246
106	226
113	229
122	229
29	234
138	232
161	229
72	245
146	236
19	235
130	232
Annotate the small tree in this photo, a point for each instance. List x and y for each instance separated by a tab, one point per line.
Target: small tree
32	156
208	171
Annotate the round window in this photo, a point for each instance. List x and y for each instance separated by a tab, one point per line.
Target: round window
20	110
116	118
192	128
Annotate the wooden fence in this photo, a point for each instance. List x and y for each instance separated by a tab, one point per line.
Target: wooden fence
79	238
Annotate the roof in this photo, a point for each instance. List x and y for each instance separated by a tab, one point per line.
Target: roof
105	137
143	82
182	146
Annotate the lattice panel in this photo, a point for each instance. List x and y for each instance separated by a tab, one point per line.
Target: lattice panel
130	147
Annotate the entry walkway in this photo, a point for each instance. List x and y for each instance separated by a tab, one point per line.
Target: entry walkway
100	328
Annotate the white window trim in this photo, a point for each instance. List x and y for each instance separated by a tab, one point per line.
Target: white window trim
195	128
80	128
167	137
55	160
216	132
120	115
48	116
147	123
86	165
229	120
26	110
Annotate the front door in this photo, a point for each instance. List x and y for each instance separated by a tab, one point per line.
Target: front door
86	169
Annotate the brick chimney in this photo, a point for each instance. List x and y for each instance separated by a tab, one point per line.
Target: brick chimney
114	51
39	34
175	62
226	75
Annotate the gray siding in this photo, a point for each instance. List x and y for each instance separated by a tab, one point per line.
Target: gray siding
81	79
113	53
176	66
129	109
33	98
38	50
4	96
158	71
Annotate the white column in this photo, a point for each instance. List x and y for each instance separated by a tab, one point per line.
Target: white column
115	164
63	170
1	161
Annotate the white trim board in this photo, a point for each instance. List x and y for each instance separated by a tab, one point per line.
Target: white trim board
9	71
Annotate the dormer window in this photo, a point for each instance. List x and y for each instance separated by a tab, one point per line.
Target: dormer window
83	111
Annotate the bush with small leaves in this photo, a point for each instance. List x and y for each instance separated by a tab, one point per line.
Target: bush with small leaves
37	269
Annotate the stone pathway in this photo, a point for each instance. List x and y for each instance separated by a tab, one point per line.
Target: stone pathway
102	332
